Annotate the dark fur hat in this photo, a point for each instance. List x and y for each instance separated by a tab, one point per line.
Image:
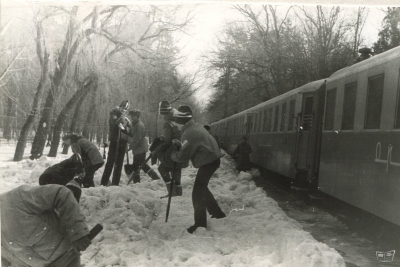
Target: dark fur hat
183	115
164	107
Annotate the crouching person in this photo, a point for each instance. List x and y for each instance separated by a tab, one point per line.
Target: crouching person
63	172
168	168
40	224
202	149
90	154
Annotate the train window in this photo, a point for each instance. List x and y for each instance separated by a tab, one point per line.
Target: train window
291	115
349	106
283	117
374	102
255	122
260	121
397	122
307	112
265	122
276	119
330	109
269	126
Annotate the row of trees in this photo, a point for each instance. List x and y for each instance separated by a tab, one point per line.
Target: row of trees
89	59
275	49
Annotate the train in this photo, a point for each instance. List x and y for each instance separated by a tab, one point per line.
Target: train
339	135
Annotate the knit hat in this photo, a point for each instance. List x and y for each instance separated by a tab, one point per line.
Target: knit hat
183	115
124	105
135	113
164	107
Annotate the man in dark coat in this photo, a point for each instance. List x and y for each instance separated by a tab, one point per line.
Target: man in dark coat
168	168
91	156
118	144
202	149
40	224
63	172
241	155
139	145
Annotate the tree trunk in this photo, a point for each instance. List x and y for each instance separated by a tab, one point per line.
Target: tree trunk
19	151
73	128
44	64
91	82
8	120
90	118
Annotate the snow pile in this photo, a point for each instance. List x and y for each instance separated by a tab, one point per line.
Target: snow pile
256	232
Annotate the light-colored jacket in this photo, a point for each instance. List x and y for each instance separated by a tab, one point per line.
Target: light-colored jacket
137	139
31	230
197	145
164	150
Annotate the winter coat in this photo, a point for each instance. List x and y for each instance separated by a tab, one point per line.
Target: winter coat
60	173
164	150
241	155
88	151
137	139
197	145
31	230
242	152
116	117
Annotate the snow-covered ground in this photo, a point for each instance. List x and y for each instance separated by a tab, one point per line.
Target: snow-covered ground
256	232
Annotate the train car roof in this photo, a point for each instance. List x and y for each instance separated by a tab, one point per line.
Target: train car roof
379	59
308	87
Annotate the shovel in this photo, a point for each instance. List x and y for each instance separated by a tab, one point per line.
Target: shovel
140	167
128	167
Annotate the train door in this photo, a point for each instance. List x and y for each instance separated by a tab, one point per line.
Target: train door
305	137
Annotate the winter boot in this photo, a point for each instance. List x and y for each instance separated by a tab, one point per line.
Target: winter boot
176	189
136	177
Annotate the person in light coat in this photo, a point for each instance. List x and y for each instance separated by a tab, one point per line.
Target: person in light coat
139	144
169	169
40	224
201	148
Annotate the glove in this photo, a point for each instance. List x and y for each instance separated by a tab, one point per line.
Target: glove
177	144
82	243
121	126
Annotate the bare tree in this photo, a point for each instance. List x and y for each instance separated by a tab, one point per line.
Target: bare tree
90	83
43	56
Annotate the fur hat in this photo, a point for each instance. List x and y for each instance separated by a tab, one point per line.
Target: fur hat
164	107
183	115
135	113
124	105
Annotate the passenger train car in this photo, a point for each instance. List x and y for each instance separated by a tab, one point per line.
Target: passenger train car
340	135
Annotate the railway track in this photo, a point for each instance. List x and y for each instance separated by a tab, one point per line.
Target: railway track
358	237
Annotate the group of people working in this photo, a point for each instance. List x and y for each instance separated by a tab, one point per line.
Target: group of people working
43	224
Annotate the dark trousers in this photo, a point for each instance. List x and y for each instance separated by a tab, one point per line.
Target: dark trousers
89	174
167	173
138	160
203	200
115	159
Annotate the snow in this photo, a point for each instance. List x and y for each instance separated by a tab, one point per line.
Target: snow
256	232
